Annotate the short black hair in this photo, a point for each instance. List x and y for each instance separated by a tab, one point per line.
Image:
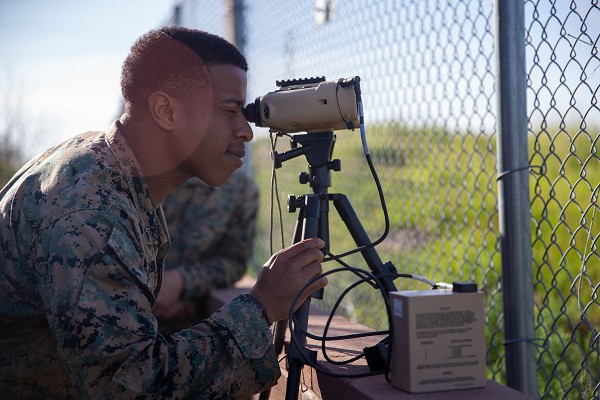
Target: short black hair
212	49
173	59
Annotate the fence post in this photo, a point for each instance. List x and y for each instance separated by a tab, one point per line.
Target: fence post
235	33
513	196
234	23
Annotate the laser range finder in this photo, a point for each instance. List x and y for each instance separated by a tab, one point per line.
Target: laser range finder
311	105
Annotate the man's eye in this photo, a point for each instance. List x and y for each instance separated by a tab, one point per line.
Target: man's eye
229	110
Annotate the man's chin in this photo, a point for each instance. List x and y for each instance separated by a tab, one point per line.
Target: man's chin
217	179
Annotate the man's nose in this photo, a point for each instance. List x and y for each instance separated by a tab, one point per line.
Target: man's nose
245	131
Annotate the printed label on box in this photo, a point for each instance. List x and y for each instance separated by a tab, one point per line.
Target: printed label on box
439	341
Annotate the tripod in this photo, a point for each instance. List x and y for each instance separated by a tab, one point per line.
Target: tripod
313	221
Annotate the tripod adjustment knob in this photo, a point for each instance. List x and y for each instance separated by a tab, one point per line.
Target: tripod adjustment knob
335	165
304	178
276	160
294	203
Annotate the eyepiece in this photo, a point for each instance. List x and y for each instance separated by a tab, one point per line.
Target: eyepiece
252	112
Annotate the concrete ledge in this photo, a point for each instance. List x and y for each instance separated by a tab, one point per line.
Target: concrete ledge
316	385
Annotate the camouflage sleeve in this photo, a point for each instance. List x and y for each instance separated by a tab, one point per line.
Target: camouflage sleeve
97	291
228	262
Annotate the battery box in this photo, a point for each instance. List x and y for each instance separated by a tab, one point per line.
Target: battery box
438	340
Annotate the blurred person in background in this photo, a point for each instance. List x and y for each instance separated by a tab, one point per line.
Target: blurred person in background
212	232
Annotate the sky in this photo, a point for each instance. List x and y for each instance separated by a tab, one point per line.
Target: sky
61	60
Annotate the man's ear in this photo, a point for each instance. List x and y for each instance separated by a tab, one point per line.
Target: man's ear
162	108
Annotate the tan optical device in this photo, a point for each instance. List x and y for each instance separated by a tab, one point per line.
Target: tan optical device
311	105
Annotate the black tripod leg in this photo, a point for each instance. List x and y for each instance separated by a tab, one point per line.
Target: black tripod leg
281	326
306	227
377	267
298	352
377	356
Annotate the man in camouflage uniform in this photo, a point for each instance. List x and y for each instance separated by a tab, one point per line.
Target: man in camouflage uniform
83	240
212	234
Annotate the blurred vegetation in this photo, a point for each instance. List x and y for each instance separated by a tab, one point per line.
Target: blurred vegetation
441	194
10	158
15	127
7	169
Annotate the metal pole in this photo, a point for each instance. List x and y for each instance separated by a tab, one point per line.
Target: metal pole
234	23
513	197
177	14
175	18
235	34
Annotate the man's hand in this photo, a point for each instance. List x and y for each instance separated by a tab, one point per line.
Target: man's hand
286	272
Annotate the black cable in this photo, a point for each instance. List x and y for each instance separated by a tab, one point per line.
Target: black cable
293	326
275	193
330	319
385	217
365	276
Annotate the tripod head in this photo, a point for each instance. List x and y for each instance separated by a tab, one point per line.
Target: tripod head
318	149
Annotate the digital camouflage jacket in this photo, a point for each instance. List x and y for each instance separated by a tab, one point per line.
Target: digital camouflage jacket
212	232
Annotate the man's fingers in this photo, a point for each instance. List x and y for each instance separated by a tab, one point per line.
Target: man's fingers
306	258
312	269
304	245
286	272
317	285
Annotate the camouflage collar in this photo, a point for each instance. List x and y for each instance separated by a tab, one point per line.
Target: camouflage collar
129	164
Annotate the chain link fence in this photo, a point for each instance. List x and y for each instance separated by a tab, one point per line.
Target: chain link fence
429	86
563	76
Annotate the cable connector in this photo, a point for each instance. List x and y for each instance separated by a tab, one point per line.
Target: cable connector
378	356
442	285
